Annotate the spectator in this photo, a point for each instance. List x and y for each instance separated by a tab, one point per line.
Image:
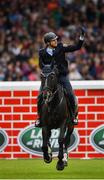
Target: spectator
22	26
74	74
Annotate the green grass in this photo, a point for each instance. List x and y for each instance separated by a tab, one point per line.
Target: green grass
37	169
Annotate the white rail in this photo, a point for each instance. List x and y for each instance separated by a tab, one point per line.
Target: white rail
22	85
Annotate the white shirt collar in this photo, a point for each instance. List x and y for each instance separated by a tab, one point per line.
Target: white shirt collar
50	51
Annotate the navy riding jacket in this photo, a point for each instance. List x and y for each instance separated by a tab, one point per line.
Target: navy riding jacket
58	56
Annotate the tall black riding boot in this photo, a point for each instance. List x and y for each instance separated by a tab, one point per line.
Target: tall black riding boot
38	122
73	107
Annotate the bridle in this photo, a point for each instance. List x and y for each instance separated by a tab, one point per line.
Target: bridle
48	93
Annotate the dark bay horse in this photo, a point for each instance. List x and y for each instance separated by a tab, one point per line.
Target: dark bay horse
53	113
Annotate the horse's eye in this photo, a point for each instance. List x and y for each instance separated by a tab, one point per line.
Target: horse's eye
52	77
42	76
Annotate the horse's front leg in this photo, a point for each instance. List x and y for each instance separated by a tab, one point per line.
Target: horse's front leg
60	163
46	133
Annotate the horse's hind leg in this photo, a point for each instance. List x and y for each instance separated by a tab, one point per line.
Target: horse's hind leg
60	163
66	143
49	145
45	147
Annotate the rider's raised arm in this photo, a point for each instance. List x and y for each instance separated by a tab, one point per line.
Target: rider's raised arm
71	48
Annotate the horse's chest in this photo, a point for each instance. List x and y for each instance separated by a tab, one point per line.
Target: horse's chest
56	114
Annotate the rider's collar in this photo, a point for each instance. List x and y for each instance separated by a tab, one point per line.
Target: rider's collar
50	51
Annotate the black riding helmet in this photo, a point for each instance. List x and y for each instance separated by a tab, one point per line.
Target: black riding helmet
49	37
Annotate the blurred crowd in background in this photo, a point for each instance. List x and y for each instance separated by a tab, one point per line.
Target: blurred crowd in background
23	24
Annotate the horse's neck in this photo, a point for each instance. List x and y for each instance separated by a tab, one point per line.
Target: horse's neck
59	94
60	91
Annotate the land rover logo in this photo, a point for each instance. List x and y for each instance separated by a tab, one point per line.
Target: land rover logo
97	139
3	140
30	140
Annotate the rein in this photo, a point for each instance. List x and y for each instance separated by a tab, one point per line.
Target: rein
49	99
53	94
49	94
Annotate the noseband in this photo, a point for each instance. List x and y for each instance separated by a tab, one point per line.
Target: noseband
48	93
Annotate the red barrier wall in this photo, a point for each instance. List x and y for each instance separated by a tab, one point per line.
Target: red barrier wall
18	110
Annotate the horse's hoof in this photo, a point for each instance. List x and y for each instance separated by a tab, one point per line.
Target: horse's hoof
60	165
65	159
65	163
48	159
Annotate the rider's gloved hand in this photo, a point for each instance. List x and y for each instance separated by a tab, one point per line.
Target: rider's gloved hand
82	33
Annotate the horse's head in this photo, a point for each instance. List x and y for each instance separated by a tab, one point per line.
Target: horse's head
49	80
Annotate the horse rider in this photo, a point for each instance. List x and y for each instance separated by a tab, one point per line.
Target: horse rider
55	51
